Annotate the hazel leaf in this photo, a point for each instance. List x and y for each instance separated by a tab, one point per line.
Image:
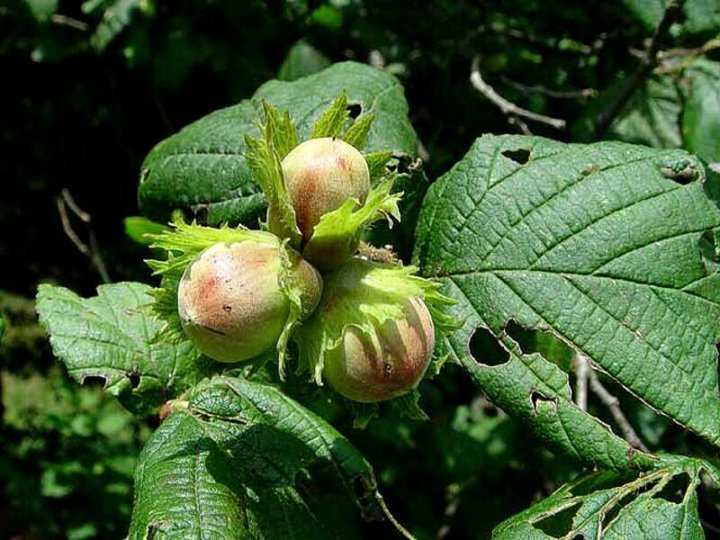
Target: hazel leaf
111	337
599	245
202	169
662	503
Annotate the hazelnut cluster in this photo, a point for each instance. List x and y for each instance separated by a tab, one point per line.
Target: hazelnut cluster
362	326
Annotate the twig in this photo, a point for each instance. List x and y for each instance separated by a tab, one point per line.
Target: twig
522	126
582	369
647	63
507	107
64	20
677	60
91	250
613	404
386	511
376	59
540	89
706	47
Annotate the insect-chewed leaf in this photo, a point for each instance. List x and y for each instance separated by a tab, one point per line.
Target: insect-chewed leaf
660	504
597	244
111	337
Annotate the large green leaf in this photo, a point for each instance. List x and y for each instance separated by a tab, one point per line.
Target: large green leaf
202	168
240	458
662	504
701	111
110	336
600	246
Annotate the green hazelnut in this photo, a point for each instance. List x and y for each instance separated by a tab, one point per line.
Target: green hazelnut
230	299
369	368
320	175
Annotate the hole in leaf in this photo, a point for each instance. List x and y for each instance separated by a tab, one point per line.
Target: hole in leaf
354	110
152	530
674	491
94	380
134	379
681	171
709	249
579	536
544	343
485	348
603	480
626	499
536	398
560	524
519	156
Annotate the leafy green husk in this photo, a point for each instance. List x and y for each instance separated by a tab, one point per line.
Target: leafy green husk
263	157
339	231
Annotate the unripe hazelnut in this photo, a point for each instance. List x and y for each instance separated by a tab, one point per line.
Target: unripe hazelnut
320	175
369	368
230	301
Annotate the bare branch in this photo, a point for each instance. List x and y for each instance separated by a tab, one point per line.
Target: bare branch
64	20
91	251
540	89
522	126
582	368
647	63
613	405
508	107
68	198
677	60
